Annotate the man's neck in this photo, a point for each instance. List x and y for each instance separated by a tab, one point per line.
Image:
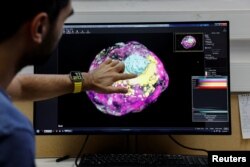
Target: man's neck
9	56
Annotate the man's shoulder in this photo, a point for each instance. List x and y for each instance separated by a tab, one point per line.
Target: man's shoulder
17	149
10	118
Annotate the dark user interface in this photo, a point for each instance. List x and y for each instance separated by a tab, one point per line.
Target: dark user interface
182	84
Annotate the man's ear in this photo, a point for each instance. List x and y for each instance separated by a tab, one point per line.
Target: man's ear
39	27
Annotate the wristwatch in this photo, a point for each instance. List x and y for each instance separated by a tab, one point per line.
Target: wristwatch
77	80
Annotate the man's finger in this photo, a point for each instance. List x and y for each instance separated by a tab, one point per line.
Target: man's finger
107	61
126	76
114	63
120	67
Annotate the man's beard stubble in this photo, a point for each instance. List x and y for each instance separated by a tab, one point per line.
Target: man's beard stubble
33	59
41	55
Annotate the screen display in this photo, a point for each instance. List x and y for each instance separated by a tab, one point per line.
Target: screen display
182	84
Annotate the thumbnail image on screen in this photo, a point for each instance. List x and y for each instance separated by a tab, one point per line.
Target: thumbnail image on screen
189	42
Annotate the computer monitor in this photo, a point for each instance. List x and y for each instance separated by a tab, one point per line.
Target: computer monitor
182	84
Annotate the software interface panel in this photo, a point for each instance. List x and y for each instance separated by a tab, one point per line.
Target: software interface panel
182	83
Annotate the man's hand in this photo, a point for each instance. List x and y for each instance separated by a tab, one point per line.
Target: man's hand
101	79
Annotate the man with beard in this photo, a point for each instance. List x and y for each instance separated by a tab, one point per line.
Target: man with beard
30	30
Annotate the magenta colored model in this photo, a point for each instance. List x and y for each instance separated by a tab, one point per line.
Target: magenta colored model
188	42
143	90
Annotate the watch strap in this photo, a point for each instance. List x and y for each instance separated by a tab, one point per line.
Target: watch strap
77	80
77	87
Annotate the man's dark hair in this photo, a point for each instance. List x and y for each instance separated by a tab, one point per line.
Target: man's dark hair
14	13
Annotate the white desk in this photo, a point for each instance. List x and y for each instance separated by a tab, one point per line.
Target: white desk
51	162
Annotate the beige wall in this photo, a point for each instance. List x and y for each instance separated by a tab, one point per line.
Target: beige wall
55	146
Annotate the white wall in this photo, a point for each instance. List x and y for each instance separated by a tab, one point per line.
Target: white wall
236	11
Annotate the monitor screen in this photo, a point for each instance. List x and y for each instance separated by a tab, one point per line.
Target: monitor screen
182	84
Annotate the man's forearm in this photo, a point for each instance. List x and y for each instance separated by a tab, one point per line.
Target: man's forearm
39	87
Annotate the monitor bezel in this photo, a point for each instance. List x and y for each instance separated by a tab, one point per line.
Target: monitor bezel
161	130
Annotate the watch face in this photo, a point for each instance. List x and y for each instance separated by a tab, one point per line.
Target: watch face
76	76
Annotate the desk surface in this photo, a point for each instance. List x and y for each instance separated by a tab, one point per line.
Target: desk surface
51	162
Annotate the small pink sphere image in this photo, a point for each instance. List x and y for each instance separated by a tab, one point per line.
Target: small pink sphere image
152	79
188	42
